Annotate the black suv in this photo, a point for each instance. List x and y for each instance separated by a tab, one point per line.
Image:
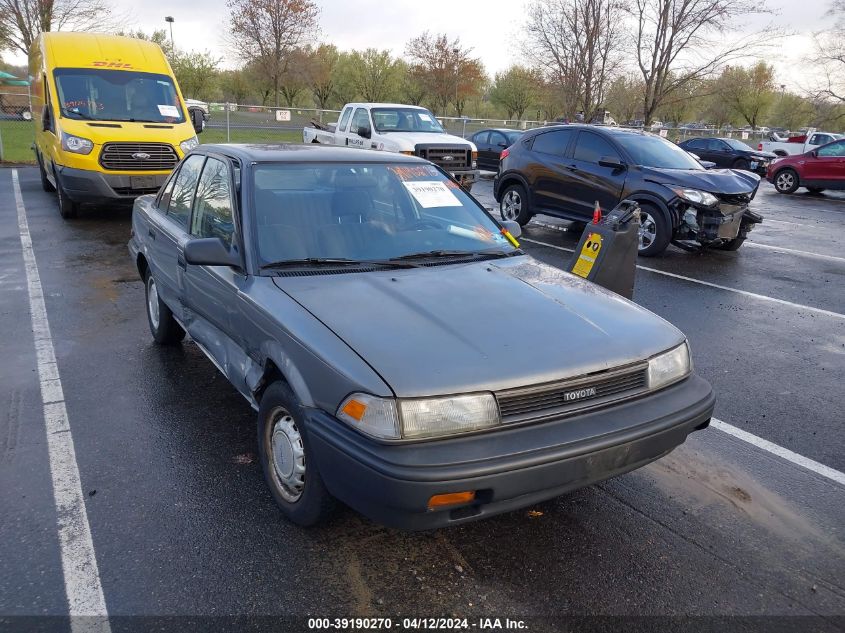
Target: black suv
564	170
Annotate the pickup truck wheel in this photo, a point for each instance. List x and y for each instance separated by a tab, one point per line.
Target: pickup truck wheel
287	459
786	181
654	234
514	205
163	327
68	209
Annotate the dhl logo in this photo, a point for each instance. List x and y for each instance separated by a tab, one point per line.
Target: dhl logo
117	64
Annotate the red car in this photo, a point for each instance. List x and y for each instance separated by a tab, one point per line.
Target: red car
819	169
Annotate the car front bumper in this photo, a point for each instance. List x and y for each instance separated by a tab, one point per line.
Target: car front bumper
508	468
94	187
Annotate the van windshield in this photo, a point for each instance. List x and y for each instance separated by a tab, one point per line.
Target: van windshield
96	94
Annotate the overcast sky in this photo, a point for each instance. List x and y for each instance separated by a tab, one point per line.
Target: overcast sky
491	28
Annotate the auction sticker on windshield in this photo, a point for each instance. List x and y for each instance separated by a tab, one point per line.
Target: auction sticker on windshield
168	110
431	193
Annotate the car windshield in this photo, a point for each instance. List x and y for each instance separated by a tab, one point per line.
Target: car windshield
366	212
735	144
653	151
513	137
405	120
117	95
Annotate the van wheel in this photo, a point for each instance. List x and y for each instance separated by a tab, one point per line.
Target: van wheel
287	458
654	234
163	327
68	209
786	181
46	185
514	205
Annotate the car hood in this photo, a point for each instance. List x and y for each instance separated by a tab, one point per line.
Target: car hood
726	181
481	326
412	138
760	154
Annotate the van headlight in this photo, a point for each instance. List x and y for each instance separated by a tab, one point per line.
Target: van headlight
419	417
188	144
76	144
669	367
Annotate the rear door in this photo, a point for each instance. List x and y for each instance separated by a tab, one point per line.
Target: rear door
827	167
482	143
591	182
168	232
548	172
720	152
497	143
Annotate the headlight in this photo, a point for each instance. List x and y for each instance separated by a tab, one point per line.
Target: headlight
696	196
76	144
418	418
475	160
669	367
188	144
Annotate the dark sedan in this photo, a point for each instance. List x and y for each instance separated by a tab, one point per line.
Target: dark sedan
730	153
490	144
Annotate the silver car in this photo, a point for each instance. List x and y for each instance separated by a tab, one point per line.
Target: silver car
403	354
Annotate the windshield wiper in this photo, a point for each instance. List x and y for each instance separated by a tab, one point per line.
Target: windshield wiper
336	261
456	254
81	115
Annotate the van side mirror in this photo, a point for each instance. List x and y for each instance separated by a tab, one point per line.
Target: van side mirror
611	161
363	131
210	251
197	120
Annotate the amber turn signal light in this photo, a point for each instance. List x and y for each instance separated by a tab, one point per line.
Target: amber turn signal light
450	499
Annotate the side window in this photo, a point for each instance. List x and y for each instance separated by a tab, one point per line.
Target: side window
166	193
552	142
497	139
47	112
697	143
820	139
184	187
341	127
361	119
834	149
213	203
592	147
481	138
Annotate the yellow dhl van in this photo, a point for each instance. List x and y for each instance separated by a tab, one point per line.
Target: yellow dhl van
110	121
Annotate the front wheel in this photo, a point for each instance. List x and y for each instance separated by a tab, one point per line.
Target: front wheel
514	205
786	181
287	459
654	234
163	327
68	209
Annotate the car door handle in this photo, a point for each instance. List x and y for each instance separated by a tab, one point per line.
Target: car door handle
180	261
151	233
571	167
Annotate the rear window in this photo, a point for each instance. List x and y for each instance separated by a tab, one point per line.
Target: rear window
554	142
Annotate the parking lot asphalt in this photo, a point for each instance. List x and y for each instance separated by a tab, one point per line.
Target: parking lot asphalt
182	523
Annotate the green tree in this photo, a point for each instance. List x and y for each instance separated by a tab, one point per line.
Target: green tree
197	74
236	86
21	21
749	91
375	74
515	89
624	98
792	111
320	74
343	80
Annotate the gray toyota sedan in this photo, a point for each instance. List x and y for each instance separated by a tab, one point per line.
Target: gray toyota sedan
403	354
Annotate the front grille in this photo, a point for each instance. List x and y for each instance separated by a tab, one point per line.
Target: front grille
130	157
129	191
740	199
449	158
556	399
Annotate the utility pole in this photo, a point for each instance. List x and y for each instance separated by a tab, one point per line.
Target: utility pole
169	20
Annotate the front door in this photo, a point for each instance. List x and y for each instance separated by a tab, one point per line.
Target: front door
591	182
549	173
360	122
826	166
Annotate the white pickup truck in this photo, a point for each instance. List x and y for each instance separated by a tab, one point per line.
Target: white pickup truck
404	129
795	145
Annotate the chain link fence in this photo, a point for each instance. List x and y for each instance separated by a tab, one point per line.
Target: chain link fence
16	128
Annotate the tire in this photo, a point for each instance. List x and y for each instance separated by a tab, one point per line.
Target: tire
514	205
68	209
655	232
815	190
787	181
290	469
741	163
731	245
163	327
46	185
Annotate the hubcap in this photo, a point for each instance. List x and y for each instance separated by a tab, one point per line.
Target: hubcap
511	205
648	231
152	303
785	181
288	455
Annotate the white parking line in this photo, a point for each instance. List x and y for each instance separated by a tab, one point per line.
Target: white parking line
767	219
753	295
79	563
793	251
780	451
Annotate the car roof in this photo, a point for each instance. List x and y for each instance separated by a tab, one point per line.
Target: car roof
385	105
497	129
612	131
299	153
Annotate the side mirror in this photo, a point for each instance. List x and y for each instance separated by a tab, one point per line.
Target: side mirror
210	251
611	161
512	227
707	164
815	153
363	131
197	120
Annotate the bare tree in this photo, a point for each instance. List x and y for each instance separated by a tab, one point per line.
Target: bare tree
578	44
446	69
321	66
829	56
677	42
269	31
22	20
